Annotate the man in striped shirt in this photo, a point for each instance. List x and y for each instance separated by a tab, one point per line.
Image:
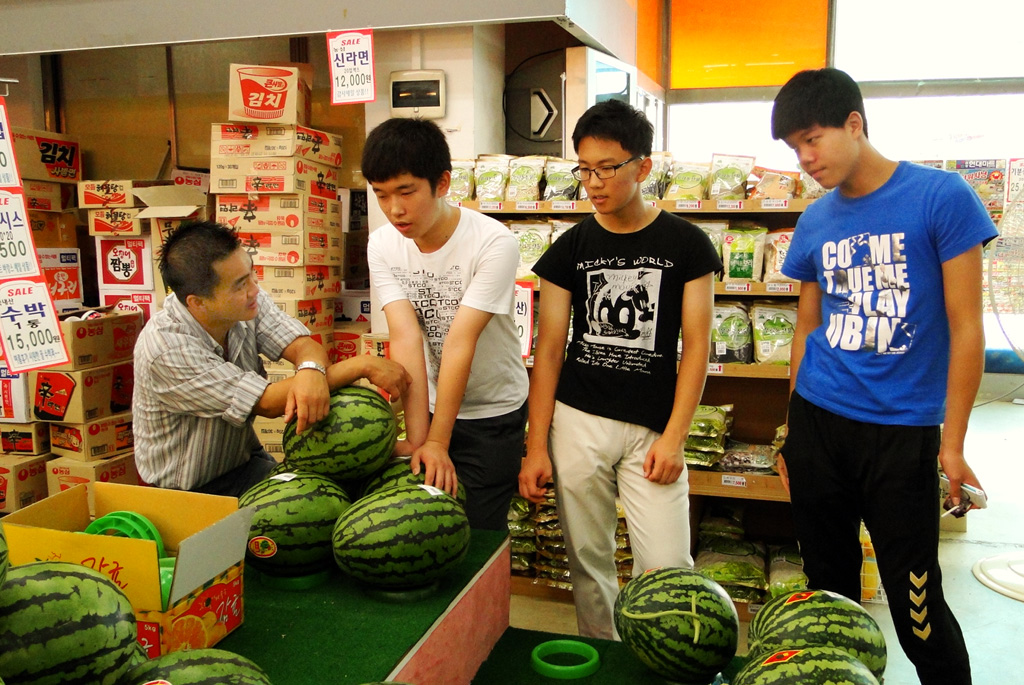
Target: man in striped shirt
199	380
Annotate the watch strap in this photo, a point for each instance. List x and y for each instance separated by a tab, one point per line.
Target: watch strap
312	365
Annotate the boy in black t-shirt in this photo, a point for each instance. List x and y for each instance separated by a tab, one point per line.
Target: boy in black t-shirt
610	415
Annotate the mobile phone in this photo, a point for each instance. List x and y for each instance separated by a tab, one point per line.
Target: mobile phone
970	498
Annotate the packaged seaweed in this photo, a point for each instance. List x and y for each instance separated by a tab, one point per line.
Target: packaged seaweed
728	179
731	337
773	327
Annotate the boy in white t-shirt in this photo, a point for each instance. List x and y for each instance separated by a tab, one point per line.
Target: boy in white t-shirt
445	278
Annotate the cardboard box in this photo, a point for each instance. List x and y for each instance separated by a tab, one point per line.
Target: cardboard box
302	282
115	221
151	201
25	438
285	212
48	196
22	480
352	305
46	156
273	175
285	249
271	434
54	229
270	93
347	339
125	262
81	396
104	194
317	314
275	140
99	341
62	269
93	440
64	473
206	535
128	301
15	405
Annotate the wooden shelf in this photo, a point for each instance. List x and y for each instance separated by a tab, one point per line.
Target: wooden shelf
748	371
758	289
737	485
674	206
526	587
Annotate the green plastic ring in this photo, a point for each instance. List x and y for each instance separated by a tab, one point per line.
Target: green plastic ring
544	649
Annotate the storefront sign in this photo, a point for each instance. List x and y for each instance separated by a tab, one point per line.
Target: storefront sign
352	72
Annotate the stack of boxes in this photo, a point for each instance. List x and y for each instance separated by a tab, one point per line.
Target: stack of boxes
125	217
276	184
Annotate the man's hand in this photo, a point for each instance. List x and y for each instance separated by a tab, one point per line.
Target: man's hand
664	462
438	470
534	475
389	375
309	399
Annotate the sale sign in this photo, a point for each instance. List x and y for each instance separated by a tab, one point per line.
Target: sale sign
17	252
352	72
29	328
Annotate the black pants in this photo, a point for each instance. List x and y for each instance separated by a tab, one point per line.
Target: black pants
487	454
842	471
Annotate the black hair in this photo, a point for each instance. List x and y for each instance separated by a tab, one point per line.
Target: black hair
816	97
406	146
616	121
189	253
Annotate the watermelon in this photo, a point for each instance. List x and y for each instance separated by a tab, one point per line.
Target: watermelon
818	618
290	534
355	438
679	623
803	666
198	667
399	472
4	561
63	623
404	536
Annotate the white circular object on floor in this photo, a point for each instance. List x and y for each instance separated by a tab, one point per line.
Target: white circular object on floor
1003	573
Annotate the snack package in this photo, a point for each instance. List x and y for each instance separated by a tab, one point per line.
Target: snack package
491	177
688	181
736	562
785	570
701	460
774	325
731	337
742	457
809	188
708	420
714	229
559	183
654	185
534	238
743	253
558	227
774	185
728	180
463	183
723	517
524	176
776	246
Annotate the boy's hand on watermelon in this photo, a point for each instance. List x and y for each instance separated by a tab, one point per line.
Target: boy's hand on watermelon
534	474
438	470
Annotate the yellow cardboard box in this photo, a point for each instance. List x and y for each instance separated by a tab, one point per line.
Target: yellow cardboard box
205	534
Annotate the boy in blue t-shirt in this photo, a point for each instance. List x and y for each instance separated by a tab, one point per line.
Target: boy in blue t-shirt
889	345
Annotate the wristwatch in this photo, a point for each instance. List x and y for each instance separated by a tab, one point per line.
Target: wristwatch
312	365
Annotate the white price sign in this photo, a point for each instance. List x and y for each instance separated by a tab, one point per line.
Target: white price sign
352	69
29	328
1014	182
9	177
17	252
524	315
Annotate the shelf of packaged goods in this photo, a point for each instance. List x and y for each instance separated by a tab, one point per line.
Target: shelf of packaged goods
737	485
525	586
758	289
748	371
675	206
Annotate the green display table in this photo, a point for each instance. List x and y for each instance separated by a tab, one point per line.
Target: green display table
340	633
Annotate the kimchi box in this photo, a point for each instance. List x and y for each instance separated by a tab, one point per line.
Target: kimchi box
47	156
204	535
270	93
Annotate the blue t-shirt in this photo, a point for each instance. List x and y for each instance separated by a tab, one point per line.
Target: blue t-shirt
881	354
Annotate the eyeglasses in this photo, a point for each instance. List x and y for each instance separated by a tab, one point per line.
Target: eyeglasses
602	172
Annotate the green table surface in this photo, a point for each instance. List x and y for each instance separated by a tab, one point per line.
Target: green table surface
338	632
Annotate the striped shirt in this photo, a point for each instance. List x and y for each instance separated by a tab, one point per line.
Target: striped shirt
192	410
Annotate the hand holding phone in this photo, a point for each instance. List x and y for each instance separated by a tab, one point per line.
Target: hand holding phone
970	498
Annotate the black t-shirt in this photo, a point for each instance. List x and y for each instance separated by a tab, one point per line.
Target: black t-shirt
627	299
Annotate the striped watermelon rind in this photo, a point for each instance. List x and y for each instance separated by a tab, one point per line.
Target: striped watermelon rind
290	533
355	439
399	472
64	624
803	666
406	536
4	559
679	623
818	618
198	667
